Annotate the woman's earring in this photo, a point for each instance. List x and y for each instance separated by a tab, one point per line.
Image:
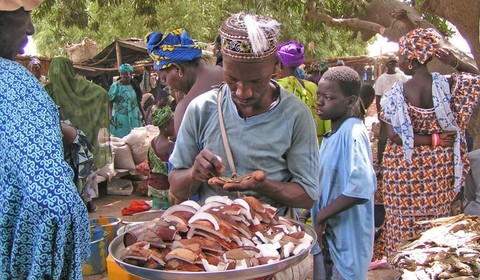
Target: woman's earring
410	67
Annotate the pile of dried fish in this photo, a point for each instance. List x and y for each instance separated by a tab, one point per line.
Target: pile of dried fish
221	235
449	250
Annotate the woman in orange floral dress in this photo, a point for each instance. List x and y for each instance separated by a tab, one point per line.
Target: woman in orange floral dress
425	162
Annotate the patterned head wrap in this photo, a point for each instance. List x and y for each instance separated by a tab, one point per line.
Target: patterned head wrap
291	54
13	5
420	44
162	116
171	47
249	37
124	68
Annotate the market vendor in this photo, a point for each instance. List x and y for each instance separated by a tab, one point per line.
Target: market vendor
270	132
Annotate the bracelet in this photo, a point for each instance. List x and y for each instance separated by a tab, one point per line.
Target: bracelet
456	63
435	139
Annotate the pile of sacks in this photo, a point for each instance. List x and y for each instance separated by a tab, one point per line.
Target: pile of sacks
131	150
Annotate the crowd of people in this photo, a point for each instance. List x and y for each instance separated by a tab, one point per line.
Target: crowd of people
297	140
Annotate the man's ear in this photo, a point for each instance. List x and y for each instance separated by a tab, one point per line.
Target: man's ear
179	69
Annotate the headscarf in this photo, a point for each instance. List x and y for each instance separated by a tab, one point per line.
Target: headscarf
420	44
171	47
13	5
80	101
249	37
125	68
162	116
291	54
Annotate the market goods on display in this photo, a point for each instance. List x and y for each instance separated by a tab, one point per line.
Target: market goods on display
449	250
221	235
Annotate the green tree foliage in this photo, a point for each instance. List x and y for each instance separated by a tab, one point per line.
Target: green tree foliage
60	22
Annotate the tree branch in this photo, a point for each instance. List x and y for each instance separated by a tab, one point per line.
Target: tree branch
355	24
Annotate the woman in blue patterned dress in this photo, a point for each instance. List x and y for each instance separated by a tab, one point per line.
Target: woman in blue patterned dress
43	221
126	113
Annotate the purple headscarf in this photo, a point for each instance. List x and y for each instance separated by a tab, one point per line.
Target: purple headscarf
291	54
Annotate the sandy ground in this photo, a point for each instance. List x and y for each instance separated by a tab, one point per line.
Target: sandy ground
110	205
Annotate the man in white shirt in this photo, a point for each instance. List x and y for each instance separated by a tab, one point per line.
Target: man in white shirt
383	84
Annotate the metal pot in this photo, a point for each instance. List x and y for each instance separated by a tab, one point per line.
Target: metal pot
117	247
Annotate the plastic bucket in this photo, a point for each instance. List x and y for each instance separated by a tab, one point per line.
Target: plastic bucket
97	263
111	224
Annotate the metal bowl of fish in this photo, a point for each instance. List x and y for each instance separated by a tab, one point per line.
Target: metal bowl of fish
203	244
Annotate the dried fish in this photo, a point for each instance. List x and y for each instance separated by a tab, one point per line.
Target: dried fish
222	234
236	179
449	249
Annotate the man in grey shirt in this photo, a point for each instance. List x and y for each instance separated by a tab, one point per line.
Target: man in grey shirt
271	133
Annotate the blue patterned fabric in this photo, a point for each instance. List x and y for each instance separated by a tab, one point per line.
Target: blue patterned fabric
44	227
171	47
125	109
396	113
80	158
445	117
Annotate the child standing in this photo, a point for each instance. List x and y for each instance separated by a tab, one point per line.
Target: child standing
343	214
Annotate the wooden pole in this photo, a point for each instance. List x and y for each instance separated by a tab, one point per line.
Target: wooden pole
119	53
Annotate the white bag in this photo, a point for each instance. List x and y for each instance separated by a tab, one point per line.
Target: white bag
138	140
123	158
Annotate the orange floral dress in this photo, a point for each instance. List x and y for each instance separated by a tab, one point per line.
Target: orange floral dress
423	188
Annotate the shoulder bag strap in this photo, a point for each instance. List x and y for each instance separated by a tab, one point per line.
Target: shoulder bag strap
228	152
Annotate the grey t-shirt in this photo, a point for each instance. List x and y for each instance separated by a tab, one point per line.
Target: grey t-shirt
282	142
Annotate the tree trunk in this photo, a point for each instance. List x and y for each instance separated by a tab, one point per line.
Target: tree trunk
392	19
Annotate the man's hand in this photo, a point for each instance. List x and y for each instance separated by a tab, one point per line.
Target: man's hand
206	166
320	229
241	183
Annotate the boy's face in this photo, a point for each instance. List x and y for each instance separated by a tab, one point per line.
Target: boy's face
332	104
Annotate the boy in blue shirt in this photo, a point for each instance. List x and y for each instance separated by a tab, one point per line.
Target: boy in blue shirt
343	214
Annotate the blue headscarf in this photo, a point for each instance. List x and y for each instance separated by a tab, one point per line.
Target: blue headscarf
172	47
125	68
